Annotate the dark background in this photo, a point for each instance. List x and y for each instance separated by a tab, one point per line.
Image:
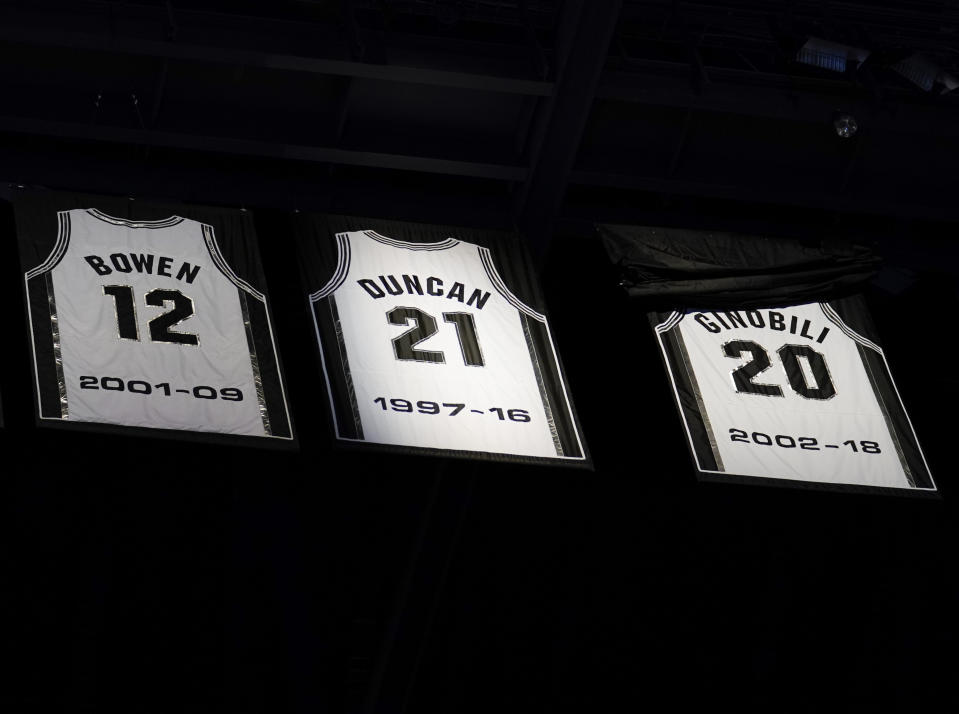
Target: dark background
142	575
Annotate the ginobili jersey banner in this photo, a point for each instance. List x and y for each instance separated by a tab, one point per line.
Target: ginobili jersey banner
767	387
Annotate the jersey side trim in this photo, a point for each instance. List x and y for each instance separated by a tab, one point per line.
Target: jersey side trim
54	404
59	247
57	356
345	368
693	415
833	317
884	410
347	426
541	385
214	250
669	323
487	260
697	395
342	268
244	289
255	364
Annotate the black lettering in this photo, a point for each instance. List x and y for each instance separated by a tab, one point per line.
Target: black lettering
433	286
704	321
777	321
163	266
792	324
754	317
822	335
372	289
120	263
721	322
396	288
735	317
142	263
413	284
456	292
96	262
805	326
479	298
188	271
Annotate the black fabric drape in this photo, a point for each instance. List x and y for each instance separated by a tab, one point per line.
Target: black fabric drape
674	266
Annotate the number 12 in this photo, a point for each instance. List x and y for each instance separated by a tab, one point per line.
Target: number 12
160	326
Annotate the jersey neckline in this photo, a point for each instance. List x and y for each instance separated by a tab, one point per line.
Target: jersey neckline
447	243
162	223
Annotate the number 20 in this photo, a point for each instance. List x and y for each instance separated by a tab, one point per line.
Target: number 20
789	356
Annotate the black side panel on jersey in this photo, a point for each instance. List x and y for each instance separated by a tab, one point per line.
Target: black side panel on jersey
337	365
318	256
855	314
36	215
270	375
43	351
686	394
552	386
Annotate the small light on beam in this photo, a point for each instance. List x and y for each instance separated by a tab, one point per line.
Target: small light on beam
845	124
834	56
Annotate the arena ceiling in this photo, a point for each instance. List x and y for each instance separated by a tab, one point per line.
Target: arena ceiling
531	112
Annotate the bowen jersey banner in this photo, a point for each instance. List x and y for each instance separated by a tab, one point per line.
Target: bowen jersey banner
802	393
434	338
142	317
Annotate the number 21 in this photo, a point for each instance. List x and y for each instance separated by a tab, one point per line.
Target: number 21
424	327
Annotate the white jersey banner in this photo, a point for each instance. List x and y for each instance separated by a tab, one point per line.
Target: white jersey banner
793	393
145	323
425	346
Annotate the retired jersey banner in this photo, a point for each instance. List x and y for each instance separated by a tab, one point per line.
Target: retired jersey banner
773	359
149	316
435	339
802	392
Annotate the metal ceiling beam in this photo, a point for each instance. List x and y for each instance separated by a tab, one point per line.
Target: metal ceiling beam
583	39
775	97
830	199
143	47
247	147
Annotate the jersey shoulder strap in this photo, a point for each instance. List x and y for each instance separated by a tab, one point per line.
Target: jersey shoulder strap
59	247
834	318
342	268
487	259
209	238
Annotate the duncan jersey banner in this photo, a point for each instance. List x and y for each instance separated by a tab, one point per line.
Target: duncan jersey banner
434	339
802	393
149	316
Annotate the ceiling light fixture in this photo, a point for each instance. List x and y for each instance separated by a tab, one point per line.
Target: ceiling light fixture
834	56
925	73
